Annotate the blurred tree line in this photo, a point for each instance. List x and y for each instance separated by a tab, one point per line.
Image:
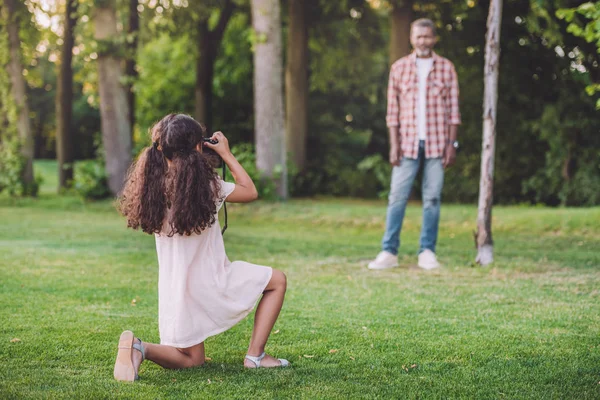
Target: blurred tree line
197	58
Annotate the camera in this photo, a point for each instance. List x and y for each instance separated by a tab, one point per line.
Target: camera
213	158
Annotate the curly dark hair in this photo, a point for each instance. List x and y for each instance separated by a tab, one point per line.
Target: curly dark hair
171	182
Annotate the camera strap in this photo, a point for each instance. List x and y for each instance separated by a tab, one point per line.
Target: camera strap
224	202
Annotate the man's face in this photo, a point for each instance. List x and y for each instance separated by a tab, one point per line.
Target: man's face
422	40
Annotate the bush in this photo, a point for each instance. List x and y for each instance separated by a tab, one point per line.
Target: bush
246	155
12	165
91	181
379	168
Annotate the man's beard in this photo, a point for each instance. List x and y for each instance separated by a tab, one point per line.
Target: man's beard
423	53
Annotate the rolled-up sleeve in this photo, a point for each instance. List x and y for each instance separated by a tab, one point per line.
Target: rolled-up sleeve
393	107
453	108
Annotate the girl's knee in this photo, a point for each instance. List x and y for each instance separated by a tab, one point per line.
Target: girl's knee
196	361
279	279
194	356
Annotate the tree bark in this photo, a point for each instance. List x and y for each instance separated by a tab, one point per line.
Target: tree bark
15	72
204	76
296	84
483	236
114	109
268	93
64	103
208	45
400	20
130	71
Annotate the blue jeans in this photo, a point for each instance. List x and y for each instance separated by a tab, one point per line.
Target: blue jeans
403	177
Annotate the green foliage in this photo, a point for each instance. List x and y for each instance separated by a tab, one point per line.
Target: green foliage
539	71
589	29
12	165
246	155
379	169
90	179
166	80
257	38
348	77
104	3
232	83
571	173
348	71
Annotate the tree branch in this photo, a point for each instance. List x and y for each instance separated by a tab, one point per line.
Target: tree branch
217	34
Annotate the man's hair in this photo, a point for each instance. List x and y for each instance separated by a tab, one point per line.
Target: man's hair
425	23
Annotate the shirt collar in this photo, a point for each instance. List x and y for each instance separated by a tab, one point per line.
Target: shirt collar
413	57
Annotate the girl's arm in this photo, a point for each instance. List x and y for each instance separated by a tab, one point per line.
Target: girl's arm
244	191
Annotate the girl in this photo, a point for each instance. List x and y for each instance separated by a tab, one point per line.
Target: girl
173	192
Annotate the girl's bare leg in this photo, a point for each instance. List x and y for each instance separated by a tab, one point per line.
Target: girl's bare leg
169	356
265	317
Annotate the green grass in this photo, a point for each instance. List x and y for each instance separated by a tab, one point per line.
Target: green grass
526	327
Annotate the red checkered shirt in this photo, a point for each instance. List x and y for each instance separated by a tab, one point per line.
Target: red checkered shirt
442	104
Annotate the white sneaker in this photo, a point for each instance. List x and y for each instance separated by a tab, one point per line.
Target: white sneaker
384	260
427	260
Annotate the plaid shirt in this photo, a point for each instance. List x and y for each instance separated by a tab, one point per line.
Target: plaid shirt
442	104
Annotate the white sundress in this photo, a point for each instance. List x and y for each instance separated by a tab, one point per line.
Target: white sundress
200	292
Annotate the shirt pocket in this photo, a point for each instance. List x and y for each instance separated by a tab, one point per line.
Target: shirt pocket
439	88
406	87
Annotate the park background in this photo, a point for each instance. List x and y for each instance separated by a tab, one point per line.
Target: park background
73	277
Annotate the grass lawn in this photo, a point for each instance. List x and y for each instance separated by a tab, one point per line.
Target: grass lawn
72	277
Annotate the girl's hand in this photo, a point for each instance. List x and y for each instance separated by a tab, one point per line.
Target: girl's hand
222	148
244	191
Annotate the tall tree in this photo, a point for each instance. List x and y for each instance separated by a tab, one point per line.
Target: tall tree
483	236
114	109
268	93
208	45
400	20
15	71
64	101
130	70
296	84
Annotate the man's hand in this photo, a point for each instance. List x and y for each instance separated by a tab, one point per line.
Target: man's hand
395	155
449	155
395	147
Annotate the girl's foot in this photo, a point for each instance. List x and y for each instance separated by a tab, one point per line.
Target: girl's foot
264	361
137	356
129	357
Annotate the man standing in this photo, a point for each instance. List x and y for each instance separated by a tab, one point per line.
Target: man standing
422	118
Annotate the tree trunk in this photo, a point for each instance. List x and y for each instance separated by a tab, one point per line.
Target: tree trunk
400	19
204	76
64	102
296	84
114	110
130	71
483	236
268	93
15	72
208	44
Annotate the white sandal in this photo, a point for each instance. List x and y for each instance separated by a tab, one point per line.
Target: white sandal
124	370
257	360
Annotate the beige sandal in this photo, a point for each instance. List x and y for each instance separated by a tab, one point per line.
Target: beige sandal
124	369
257	361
